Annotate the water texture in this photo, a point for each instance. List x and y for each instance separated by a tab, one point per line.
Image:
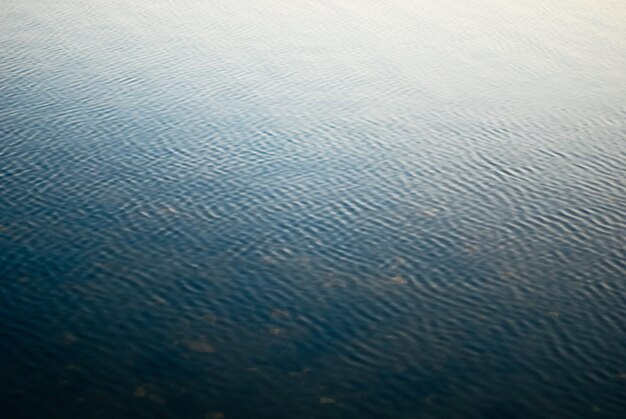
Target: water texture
312	209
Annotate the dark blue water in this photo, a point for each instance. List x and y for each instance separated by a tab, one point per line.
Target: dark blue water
321	209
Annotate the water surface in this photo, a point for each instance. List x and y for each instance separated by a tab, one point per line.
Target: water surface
330	209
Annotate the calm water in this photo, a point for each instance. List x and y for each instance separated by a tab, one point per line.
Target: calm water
321	209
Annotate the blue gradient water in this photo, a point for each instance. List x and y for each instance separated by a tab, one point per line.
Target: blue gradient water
329	209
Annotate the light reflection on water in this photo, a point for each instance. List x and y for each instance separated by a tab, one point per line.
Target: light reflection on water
312	209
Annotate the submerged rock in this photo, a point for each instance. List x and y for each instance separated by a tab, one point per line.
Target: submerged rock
280	314
140	392
149	392
69	338
276	331
398	280
471	249
431	212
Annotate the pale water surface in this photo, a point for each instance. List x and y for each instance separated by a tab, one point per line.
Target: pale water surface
312	209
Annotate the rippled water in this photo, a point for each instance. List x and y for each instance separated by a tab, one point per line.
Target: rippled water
330	209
